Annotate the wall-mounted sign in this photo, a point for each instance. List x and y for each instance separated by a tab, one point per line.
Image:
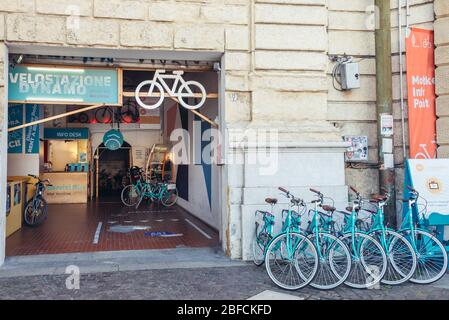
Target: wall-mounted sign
64	85
386	124
431	179
15	138
66	133
150	94
113	139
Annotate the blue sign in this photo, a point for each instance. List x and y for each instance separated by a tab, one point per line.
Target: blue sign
32	113
113	139
15	138
66	133
74	85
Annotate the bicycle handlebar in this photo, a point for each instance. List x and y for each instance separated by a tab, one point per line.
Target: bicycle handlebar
315	191
354	190
411	189
284	190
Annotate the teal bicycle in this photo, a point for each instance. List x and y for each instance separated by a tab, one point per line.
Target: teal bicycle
402	259
334	257
263	233
432	258
291	259
369	260
133	194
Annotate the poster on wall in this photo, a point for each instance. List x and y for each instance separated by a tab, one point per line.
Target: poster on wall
139	156
421	93
431	179
32	113
63	85
15	138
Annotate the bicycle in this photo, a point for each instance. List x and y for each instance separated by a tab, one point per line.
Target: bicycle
334	257
134	193
36	209
263	237
432	258
126	114
291	259
181	92
369	260
402	259
81	117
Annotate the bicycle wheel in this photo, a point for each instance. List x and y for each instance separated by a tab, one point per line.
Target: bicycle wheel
187	90
401	257
169	197
147	105
130	195
368	258
431	257
258	245
291	261
334	261
104	115
35	213
83	117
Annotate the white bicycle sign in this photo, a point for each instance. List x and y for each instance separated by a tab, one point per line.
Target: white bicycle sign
424	154
181	89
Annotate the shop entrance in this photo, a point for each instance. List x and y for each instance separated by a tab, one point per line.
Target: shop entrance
88	172
113	166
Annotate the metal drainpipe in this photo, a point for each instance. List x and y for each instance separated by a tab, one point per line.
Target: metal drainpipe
401	76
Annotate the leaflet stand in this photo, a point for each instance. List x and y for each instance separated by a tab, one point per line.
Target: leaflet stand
431	179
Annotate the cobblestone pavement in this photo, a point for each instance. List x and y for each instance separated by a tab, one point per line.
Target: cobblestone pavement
220	283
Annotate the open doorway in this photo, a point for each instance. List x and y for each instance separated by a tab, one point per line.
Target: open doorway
85	211
113	166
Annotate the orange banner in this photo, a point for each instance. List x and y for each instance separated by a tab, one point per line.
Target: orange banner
421	94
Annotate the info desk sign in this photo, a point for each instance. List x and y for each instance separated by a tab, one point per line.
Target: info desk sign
431	179
64	85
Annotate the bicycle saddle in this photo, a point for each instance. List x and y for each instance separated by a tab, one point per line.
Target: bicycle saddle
328	208
272	201
378	198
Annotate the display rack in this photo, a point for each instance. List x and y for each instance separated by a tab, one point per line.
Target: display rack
158	167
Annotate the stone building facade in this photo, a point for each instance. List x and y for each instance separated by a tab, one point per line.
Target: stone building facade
277	74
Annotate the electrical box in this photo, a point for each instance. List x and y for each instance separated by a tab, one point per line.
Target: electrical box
358	151
350	76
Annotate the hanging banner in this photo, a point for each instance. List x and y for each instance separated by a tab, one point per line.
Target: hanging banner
64	85
421	93
15	138
32	113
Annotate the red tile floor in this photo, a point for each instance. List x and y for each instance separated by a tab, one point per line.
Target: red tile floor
72	227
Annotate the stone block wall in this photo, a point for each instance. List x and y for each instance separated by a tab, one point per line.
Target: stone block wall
442	75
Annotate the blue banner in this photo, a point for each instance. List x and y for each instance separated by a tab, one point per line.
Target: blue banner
15	138
32	113
66	133
74	85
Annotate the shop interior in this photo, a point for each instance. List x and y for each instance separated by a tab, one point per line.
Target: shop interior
72	145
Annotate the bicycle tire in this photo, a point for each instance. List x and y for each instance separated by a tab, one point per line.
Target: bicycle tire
421	259
169	204
42	216
330	276
370	275
125	195
301	277
101	118
401	264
